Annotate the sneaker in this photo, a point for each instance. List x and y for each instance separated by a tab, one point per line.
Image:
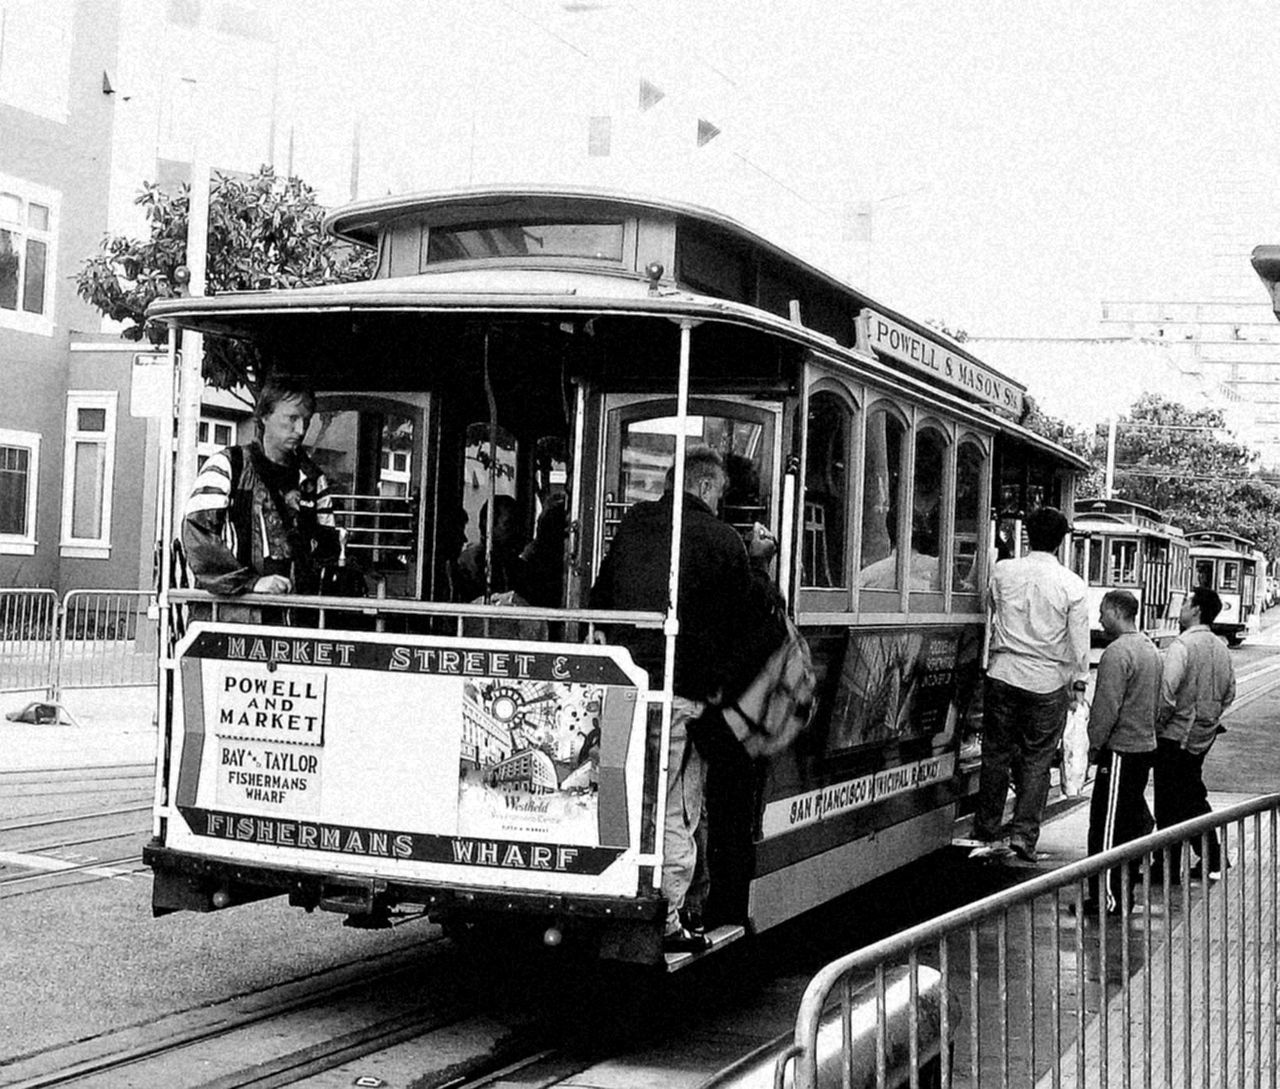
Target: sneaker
693	921
1089	909
684	941
1023	851
1197	872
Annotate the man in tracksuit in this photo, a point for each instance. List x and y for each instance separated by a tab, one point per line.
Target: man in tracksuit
1122	738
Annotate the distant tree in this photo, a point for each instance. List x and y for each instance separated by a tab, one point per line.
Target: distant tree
264	232
1186	463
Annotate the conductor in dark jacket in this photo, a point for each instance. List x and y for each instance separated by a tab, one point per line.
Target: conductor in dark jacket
715	584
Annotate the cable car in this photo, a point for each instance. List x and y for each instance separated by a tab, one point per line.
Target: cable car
1118	544
1228	564
481	759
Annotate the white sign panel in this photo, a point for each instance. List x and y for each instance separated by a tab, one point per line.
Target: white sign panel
151	385
932	360
786	814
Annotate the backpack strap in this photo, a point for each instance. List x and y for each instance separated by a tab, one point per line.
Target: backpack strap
235	455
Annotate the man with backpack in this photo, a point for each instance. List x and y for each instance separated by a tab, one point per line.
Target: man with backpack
715	585
260	517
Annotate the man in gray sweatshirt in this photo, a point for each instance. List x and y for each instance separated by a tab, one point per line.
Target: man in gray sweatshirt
1122	738
1199	685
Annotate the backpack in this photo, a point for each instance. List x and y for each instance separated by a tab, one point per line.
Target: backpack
777	706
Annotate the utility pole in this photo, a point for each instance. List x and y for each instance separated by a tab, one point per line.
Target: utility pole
1109	487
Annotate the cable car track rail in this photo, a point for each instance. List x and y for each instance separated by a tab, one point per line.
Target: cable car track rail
223	1019
74	817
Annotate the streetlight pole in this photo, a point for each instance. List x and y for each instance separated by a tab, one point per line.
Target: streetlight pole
1109	487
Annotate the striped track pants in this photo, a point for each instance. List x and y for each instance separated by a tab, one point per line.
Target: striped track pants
1118	811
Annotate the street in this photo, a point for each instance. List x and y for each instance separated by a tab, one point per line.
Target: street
88	968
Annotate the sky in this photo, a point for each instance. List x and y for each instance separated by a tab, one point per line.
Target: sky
1001	167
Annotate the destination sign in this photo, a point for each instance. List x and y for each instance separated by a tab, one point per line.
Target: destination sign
933	360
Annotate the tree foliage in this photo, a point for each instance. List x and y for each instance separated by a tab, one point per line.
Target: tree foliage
1182	462
1188	465
264	232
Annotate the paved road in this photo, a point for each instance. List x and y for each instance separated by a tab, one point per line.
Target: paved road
1246	759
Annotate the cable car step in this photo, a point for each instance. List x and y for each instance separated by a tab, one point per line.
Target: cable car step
716	939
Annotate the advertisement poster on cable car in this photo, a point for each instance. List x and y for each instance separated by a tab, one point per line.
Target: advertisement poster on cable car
493	756
877	689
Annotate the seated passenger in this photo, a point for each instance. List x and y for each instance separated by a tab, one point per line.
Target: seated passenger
542	560
507	574
924	570
925	573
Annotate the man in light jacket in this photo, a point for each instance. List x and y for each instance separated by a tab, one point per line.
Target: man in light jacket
1198	685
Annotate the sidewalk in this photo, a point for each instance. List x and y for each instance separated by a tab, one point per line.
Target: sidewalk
1199	1007
111	726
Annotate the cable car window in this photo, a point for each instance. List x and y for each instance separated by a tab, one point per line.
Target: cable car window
882	482
648	451
1079	552
366	454
1204	573
1124	562
592	241
1230	576
965	561
826	491
1097	550
926	510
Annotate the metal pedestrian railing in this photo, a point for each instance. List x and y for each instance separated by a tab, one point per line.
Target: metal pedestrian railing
1177	988
88	639
28	639
106	639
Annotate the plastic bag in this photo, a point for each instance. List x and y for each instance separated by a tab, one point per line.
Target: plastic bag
1075	750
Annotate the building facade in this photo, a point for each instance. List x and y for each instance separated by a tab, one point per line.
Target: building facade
66	438
87	115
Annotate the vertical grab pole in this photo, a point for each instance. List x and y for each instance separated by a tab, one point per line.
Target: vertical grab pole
575	487
787	530
671	625
165	533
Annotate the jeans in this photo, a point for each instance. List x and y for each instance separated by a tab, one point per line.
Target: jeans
686	778
1181	795
1020	734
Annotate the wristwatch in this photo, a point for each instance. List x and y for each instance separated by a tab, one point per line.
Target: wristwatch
1079	686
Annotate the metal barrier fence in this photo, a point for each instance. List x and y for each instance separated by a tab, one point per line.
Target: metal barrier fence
89	639
1176	989
106	639
28	639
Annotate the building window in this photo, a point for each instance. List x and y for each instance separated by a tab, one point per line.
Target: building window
19	477
27	215
215	433
88	468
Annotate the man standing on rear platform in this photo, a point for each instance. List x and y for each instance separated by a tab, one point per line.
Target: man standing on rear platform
1122	738
1037	672
715	586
